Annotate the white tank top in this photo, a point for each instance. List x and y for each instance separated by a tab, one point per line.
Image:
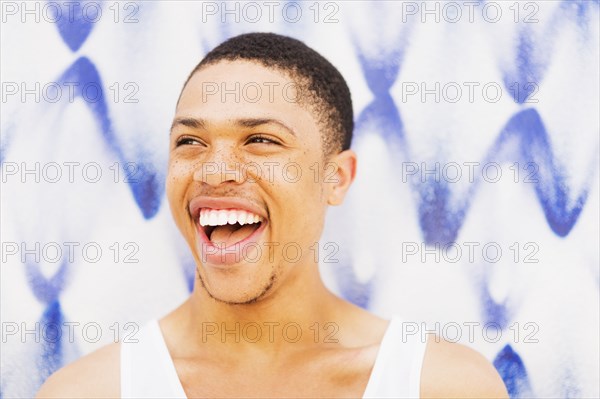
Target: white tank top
147	370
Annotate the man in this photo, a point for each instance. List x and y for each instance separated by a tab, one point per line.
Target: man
259	149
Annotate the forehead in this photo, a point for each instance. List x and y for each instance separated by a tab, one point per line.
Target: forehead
230	90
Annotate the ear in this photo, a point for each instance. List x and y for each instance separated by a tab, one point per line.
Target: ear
339	173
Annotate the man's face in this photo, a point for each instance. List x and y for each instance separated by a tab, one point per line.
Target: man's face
246	179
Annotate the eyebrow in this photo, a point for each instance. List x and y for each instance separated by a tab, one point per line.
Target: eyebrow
194	123
254	122
199	123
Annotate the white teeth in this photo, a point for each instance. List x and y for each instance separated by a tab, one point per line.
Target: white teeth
232	219
220	217
242	217
213	218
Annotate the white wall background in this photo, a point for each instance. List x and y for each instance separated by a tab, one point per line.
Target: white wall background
542	291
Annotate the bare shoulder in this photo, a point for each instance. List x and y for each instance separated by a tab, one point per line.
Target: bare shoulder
452	370
93	376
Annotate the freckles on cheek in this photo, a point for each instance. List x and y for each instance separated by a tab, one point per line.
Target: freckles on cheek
180	171
176	183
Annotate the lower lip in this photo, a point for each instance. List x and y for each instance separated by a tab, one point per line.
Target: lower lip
231	255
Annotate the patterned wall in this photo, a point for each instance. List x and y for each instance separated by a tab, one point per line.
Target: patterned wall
475	205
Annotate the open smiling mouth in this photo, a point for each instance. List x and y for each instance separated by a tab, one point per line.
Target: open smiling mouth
226	227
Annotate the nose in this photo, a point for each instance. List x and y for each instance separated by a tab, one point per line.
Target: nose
219	166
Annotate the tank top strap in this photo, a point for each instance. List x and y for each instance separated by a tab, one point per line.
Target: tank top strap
147	370
397	369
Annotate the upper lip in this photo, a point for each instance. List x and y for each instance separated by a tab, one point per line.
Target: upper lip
197	203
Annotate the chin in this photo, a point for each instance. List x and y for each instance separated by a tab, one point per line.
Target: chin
236	290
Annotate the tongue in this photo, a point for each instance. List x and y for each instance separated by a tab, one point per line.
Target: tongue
229	234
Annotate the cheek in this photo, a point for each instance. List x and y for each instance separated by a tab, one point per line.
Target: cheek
178	178
177	172
301	200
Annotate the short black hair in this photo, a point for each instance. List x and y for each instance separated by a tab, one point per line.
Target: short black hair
328	94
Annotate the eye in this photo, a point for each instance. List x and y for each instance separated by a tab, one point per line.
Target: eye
186	141
259	139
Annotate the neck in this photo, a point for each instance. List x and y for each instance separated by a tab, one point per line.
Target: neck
295	312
